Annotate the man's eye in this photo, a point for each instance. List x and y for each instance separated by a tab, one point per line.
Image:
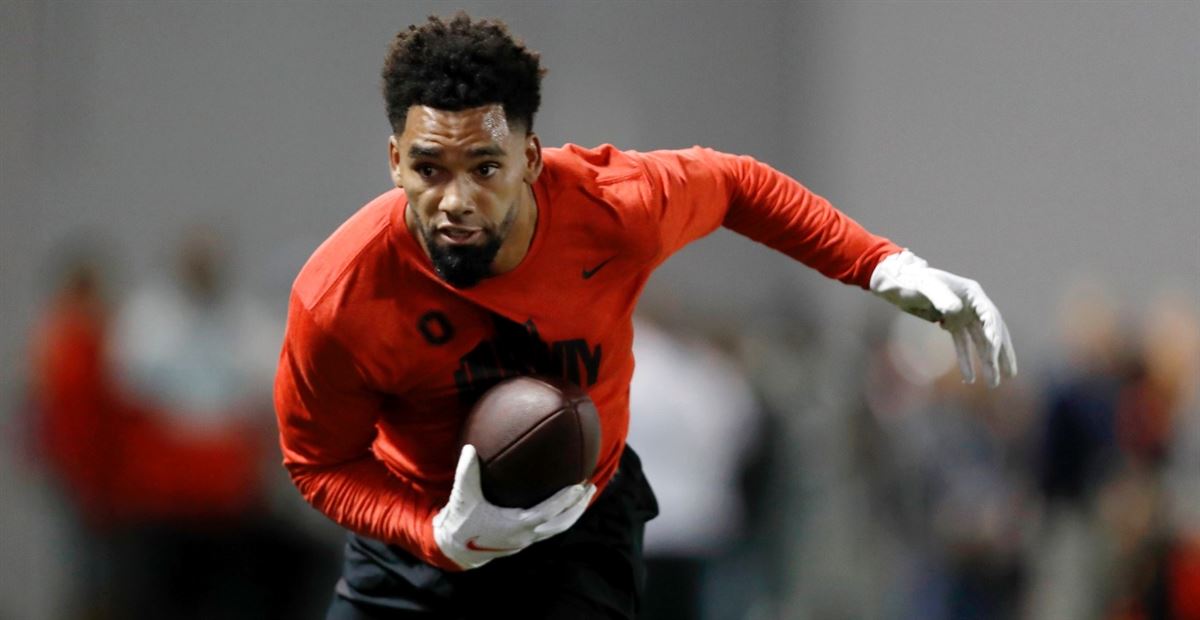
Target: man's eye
488	170
426	171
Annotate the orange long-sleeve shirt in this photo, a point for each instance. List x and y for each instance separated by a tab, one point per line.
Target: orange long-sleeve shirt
382	359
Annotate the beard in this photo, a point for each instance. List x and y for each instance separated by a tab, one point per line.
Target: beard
464	266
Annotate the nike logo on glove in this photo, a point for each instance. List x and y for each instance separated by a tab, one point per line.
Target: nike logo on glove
587	273
474	547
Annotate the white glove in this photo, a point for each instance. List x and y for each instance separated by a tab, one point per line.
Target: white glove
957	304
472	531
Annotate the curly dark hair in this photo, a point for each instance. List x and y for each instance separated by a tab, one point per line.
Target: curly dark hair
461	64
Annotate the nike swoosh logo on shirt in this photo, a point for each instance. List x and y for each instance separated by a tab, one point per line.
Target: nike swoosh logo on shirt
587	273
474	547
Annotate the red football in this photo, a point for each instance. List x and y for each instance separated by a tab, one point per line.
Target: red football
534	436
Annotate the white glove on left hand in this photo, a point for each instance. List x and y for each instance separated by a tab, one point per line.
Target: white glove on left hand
957	304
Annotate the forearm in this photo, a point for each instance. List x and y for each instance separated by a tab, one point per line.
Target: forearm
776	210
364	497
327	419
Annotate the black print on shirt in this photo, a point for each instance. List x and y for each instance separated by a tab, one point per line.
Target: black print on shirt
517	349
435	327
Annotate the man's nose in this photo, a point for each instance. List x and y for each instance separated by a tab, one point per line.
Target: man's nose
456	199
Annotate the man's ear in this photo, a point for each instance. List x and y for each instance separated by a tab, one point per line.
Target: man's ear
533	158
394	160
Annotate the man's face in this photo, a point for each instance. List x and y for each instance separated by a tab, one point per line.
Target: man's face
466	175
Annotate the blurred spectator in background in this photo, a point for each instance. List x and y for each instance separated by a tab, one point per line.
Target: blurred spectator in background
76	415
1079	446
1119	464
73	395
697	442
184	351
155	422
1078	454
1151	511
195	358
949	473
1175	335
191	355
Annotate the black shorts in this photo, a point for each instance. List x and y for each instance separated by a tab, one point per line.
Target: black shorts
593	570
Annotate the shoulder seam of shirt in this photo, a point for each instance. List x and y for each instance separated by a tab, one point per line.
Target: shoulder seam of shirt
639	172
349	263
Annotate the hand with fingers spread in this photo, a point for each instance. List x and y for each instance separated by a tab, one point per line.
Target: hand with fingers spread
958	304
472	531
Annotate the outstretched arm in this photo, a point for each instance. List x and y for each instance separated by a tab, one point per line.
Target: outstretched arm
701	189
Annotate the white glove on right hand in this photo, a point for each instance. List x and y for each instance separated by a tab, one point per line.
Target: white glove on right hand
472	531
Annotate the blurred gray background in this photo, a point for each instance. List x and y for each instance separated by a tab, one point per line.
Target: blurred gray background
1023	144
